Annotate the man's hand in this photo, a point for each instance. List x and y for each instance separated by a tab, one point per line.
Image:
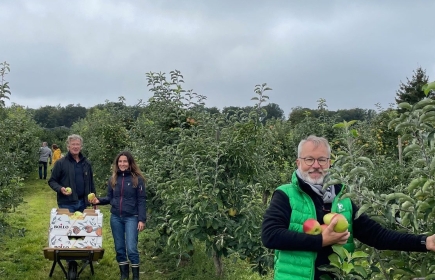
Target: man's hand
95	201
64	192
430	243
330	237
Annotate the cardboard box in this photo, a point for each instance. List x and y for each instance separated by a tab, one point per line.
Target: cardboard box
63	241
63	223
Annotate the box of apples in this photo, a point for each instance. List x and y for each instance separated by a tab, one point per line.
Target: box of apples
83	242
312	226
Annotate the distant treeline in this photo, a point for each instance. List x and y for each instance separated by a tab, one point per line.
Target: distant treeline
57	116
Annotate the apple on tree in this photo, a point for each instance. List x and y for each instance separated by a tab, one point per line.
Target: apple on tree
312	226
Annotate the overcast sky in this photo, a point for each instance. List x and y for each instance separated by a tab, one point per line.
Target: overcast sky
351	53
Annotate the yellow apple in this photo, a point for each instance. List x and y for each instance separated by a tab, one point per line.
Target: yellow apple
91	196
232	212
68	190
312	226
328	218
342	224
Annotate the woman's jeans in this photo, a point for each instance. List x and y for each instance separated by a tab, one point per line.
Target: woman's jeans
125	236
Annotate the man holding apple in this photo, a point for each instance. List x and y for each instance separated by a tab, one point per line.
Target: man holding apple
303	221
72	177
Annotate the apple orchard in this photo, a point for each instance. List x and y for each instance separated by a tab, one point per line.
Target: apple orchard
210	175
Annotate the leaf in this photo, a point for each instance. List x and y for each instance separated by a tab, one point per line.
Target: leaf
354	132
426	116
415	183
424	102
403	196
359	254
405	125
362	210
334	260
339	125
428	108
359	170
411	148
406	205
366	160
347	267
330	183
405	105
428	87
340	251
361	271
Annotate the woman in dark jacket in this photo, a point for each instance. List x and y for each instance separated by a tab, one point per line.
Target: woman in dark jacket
126	195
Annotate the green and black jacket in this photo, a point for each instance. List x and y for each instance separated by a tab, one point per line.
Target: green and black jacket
277	230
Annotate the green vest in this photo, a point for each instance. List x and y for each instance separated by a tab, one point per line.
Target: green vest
299	265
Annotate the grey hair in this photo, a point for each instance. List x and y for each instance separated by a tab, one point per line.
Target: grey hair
74	137
317	141
44	144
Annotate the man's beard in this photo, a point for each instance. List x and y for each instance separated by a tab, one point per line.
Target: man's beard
306	176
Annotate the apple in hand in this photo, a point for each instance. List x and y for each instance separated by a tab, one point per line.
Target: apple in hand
328	218
68	190
91	197
312	226
342	224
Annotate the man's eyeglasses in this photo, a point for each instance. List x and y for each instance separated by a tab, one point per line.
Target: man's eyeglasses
310	161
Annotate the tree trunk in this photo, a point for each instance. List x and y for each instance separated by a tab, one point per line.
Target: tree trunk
218	265
265	197
399	145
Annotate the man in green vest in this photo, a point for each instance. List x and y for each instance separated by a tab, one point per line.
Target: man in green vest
298	254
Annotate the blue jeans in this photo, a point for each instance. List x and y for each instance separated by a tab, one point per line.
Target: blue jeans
42	164
125	236
72	207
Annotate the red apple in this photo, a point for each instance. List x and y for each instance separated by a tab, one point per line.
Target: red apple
312	226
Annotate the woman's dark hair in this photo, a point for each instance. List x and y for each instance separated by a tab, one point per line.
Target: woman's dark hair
54	147
132	166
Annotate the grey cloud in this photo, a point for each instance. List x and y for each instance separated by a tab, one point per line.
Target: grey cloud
353	54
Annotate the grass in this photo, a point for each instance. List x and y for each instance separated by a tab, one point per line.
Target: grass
22	256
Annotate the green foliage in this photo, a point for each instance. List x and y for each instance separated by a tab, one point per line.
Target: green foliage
57	135
345	265
205	172
4	86
20	144
413	91
409	207
52	117
104	135
427	88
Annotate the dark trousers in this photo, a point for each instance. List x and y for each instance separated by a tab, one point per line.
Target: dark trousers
42	164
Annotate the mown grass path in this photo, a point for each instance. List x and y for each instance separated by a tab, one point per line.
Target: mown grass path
22	258
22	254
